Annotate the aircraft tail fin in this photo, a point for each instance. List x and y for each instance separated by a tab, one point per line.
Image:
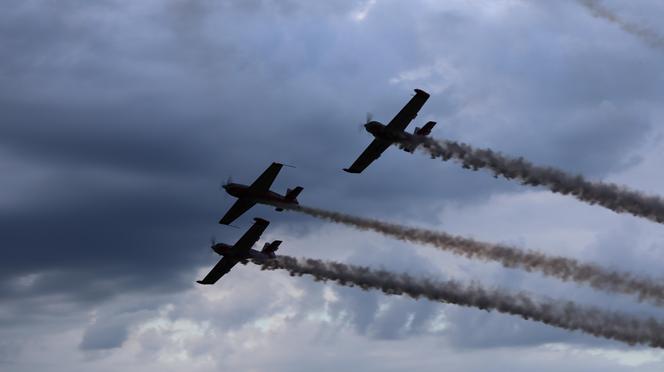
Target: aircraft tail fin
426	129
270	248
291	194
416	139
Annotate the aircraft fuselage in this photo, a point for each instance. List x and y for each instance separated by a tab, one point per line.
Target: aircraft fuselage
253	255
267	197
380	130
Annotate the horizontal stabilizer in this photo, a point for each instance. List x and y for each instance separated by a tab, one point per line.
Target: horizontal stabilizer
426	129
271	247
291	194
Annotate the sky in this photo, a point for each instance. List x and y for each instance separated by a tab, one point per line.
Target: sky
119	120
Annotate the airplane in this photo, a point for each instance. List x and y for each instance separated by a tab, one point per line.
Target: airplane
394	131
241	252
257	192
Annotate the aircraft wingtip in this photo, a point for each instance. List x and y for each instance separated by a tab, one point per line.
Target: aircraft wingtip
350	170
200	282
261	220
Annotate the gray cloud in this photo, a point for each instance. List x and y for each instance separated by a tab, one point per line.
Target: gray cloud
104	336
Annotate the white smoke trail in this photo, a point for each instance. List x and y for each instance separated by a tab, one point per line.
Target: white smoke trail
566	269
647	35
561	314
616	198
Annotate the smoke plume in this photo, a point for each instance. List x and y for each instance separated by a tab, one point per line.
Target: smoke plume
616	198
562	314
648	36
566	269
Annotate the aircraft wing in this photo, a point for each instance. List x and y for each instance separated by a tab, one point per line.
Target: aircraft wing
264	181
251	236
409	112
237	209
220	269
371	153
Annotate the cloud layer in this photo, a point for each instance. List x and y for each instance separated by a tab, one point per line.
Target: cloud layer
119	120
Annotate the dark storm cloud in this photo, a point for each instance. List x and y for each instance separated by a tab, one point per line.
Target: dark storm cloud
115	212
133	184
113	137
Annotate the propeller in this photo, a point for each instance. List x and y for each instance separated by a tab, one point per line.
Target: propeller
369	118
222	184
